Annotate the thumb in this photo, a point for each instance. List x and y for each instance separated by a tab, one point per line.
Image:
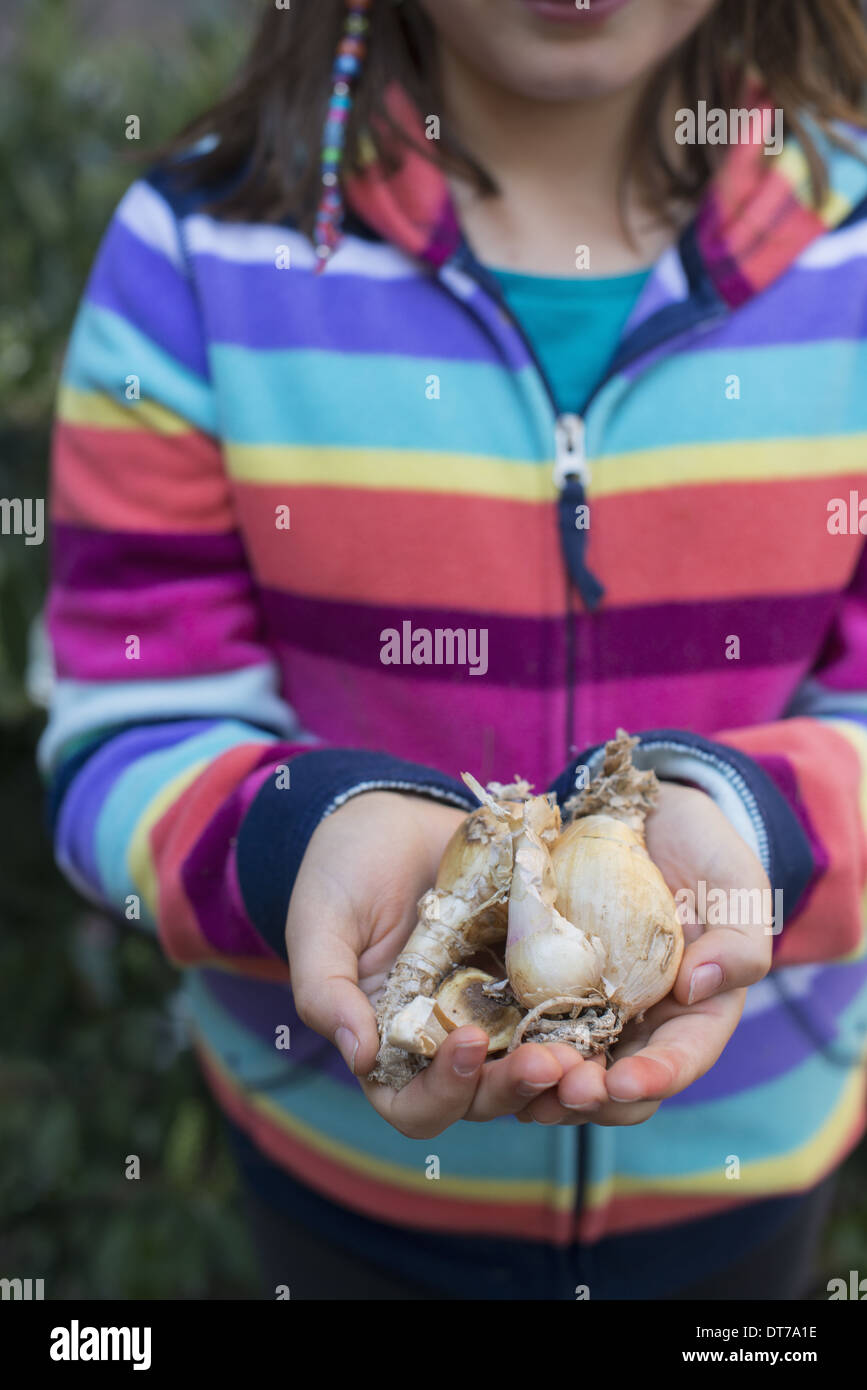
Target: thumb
323	968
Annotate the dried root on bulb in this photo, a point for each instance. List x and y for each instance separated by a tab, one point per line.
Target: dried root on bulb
464	912
591	928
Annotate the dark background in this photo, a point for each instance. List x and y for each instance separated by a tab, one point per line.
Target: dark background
94	1060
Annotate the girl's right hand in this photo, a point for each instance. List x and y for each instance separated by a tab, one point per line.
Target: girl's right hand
352	909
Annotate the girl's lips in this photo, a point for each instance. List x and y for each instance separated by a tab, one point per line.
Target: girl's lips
566	11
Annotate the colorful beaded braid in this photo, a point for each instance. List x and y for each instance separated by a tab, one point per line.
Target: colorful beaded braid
347	64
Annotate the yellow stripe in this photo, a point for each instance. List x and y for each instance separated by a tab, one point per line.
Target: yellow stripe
800	1168
99	410
140	862
792	165
541	1192
477	475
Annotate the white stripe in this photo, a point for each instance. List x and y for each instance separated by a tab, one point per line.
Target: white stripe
250	695
460	284
835	248
257	244
149	217
669	270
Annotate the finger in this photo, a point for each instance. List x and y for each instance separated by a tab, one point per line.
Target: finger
548	1109
682	1048
582	1091
507	1086
721	959
323	967
441	1094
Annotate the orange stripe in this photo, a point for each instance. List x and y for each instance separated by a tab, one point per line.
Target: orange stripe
828	775
380	1201
129	480
422	549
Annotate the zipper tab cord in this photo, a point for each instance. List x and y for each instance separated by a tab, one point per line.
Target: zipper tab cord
573	538
573	515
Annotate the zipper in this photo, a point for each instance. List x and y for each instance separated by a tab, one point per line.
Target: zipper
571	474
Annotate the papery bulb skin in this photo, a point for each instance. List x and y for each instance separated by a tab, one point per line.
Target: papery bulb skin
546	955
557	961
609	887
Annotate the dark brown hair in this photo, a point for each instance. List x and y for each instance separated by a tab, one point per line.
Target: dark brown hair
810	54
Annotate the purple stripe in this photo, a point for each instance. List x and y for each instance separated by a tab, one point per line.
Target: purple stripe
80	810
258	306
260	1006
803	306
763	1048
137	282
767	1045
83	558
531	652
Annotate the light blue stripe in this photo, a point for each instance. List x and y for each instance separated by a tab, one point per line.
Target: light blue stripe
136	788
378	401
105	349
811	389
762	1122
82	707
847	173
501	1147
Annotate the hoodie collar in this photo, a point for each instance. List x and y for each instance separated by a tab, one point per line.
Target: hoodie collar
754	219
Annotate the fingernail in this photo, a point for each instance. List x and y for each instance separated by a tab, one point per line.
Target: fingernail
347	1046
587	1105
468	1058
704	982
635	1089
532	1088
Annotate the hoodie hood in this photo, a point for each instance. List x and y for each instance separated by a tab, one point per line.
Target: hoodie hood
753	221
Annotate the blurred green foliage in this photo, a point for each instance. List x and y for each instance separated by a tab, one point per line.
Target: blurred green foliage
94	1063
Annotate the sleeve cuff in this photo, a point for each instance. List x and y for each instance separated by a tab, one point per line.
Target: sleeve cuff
280	821
741	788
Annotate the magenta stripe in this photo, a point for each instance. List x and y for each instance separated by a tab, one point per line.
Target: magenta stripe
780	770
188	629
216	898
498	731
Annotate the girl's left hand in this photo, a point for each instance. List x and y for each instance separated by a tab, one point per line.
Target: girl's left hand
682	1036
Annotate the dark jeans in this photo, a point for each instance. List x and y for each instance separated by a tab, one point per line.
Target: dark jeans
312	1268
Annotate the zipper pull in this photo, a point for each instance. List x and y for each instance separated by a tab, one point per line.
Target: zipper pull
571	474
569	450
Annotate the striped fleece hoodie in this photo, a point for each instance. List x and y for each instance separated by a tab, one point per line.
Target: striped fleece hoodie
253	480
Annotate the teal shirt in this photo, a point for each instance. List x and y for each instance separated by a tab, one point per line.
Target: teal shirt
574	325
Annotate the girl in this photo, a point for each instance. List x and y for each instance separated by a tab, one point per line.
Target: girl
512	319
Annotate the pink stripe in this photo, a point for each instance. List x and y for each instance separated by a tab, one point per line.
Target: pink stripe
186	629
497	732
